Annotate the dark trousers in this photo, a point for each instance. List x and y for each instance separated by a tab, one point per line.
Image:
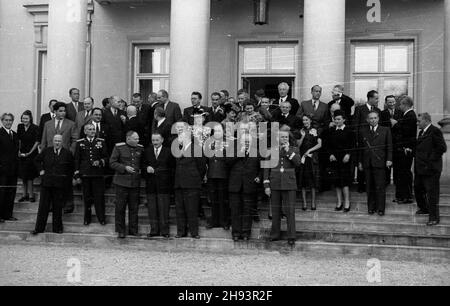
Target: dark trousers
8	188
220	210
68	197
242	212
427	189
158	213
283	202
94	194
403	176
187	202
361	178
124	196
376	188
51	197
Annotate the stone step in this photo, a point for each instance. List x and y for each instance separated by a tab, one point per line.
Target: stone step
227	246
360	207
375	224
78	216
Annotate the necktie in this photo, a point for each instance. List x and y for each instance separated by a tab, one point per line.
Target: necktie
421	133
11	135
87	115
156	153
97	130
58	127
372	108
315	105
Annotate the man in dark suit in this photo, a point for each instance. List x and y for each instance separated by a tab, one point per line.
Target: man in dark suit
85	115
91	158
75	105
316	109
389	118
244	177
375	144
280	184
172	109
9	161
196	108
162	126
158	166
283	90
46	117
115	119
144	115
217	113
101	129
346	103
190	172
286	118
360	122
405	132
134	124
428	168
55	164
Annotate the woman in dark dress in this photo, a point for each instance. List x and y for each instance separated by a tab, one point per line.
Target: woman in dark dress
28	134
308	176
340	146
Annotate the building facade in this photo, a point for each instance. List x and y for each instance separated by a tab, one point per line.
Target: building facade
119	47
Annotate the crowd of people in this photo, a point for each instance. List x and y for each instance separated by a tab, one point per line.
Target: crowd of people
317	146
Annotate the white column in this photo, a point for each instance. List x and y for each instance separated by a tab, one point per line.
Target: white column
323	46
67	35
189	37
447	59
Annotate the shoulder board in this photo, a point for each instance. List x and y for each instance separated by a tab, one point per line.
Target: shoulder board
140	146
120	144
101	139
82	139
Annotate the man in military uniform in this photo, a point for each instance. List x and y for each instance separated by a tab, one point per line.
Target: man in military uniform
280	184
126	161
91	156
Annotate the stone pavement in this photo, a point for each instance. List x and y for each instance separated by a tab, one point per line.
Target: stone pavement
48	265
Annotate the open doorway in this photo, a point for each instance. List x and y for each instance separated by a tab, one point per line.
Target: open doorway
269	84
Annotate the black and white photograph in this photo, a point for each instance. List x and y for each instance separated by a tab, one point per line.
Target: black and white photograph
224	150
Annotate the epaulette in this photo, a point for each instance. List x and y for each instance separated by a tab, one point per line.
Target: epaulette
121	144
100	139
82	139
140	146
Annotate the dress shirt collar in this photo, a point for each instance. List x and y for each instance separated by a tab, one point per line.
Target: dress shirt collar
341	128
426	129
161	122
374	128
408	111
8	130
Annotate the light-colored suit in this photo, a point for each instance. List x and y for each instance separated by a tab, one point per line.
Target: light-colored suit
320	118
68	132
81	120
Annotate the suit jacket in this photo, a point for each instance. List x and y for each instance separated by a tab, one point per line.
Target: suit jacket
294	122
134	124
217	116
217	164
406	131
72	112
81	120
116	126
9	153
430	148
161	181
346	104
189	113
359	121
173	112
375	150
122	156
68	132
385	117
44	119
283	176
320	118
243	171
165	129
190	170
58	168
145	118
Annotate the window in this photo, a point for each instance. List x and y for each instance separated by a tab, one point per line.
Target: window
265	65
151	69
383	66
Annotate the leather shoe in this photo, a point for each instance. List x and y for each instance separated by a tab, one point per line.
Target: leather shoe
166	236
381	213
58	232
121	236
432	223
86	223
246	238
103	223
226	227
12	219
34	233
2	221
371	212
196	237
236	238
291	242
274	239
339	208
32	200
180	236
422	212
151	235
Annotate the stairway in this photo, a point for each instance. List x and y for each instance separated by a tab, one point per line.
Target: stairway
400	235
